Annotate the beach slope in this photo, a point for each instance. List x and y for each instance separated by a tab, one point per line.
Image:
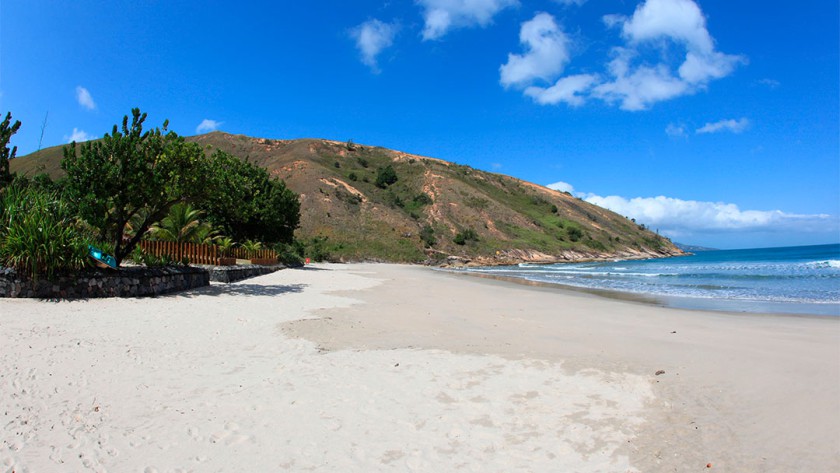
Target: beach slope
397	368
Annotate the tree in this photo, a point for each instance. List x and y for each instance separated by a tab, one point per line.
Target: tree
386	176
247	204
6	132
112	179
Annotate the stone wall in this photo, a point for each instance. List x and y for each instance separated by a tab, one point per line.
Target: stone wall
127	282
228	274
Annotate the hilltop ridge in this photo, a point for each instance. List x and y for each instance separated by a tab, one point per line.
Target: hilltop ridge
367	203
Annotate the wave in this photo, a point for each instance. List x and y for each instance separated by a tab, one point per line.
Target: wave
832	263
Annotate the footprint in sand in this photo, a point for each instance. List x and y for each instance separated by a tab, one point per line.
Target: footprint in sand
230	435
193	432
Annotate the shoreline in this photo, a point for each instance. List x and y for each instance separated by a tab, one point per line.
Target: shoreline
378	367
726	306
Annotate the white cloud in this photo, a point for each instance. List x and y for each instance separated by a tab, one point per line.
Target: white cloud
676	130
568	89
638	88
207	125
679	20
734	126
440	16
547	53
681	217
691	219
84	98
372	37
562	187
637	81
78	136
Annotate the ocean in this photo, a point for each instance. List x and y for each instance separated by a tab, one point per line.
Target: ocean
797	280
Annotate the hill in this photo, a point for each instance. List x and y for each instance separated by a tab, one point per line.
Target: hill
370	203
693	248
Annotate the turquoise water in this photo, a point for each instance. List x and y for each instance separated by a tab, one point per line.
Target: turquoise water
802	279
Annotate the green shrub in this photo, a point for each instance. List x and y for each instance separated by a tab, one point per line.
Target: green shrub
423	199
427	234
252	245
465	236
317	249
39	235
575	233
596	245
386	176
290	254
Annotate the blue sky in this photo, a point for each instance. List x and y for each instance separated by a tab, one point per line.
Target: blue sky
714	121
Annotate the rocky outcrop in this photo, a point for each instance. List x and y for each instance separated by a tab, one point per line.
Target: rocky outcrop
516	256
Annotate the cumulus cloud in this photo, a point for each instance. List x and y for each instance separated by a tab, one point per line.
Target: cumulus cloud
569	89
680	217
547	53
678	20
636	81
84	98
734	126
663	22
637	88
372	37
78	136
207	125
562	187
440	16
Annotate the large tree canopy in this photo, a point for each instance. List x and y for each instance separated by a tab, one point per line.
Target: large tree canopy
247	204
112	179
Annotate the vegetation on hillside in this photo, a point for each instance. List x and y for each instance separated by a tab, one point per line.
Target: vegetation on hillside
134	184
361	202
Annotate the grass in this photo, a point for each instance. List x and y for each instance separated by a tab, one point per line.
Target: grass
39	234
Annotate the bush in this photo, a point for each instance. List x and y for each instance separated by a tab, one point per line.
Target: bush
467	235
290	254
423	199
427	234
385	177
147	259
574	233
317	249
39	234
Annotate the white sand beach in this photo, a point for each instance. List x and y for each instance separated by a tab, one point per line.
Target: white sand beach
365	367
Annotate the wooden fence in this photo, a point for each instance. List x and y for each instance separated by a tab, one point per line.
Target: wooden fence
206	254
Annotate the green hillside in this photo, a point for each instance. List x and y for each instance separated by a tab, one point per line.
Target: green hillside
369	203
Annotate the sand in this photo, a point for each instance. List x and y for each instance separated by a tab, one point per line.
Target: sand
396	368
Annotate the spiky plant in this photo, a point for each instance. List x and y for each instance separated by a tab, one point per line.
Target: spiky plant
183	225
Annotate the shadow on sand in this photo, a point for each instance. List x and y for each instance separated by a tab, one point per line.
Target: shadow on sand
242	289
